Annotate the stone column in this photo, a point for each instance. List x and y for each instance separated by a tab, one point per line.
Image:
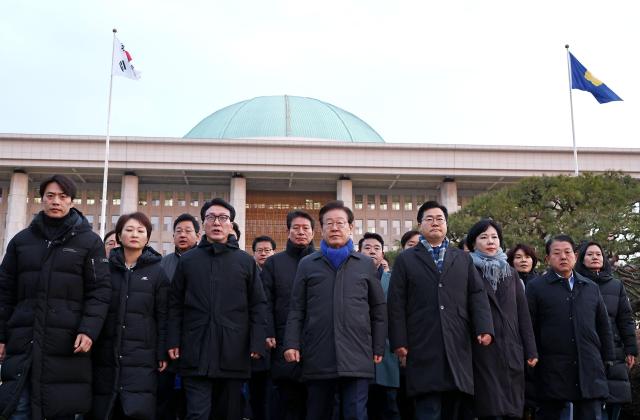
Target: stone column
449	194
16	206
238	199
345	191
129	193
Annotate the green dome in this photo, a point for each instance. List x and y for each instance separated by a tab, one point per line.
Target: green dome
284	116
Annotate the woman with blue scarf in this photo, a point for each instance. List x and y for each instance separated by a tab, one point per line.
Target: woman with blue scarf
499	368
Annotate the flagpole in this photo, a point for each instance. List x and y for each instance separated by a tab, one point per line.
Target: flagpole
105	176
573	128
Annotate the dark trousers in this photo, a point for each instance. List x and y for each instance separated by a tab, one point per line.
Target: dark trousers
291	400
582	410
118	413
170	403
351	393
444	406
406	405
261	396
383	404
216	398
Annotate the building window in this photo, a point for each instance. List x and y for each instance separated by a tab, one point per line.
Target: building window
115	198
358	202
395	227
168	199
383	202
395	202
383	227
168	224
358	223
91	198
408	225
114	220
167	248
76	201
36	197
408	203
142	198
155	198
155	223
420	199
194	200
181	201
89	219
371	225
371	202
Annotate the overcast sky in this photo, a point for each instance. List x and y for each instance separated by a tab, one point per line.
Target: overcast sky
467	72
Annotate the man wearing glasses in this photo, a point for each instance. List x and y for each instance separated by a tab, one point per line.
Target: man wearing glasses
337	322
217	318
263	247
437	303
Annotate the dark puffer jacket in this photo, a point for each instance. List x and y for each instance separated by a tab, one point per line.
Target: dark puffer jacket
622	326
133	340
51	289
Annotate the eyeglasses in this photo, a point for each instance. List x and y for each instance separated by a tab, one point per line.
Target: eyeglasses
439	220
186	231
223	218
340	224
263	250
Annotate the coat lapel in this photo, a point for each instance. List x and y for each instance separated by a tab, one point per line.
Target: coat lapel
449	257
423	255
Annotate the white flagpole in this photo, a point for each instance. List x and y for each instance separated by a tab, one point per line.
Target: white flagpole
105	176
573	129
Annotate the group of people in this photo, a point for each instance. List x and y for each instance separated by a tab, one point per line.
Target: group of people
211	332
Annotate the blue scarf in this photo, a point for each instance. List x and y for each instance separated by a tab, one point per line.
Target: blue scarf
437	253
336	256
494	268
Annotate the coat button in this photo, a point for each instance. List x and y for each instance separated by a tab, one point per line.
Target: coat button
439	284
442	307
120	357
124	326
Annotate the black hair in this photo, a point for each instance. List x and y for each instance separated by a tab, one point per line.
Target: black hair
370	235
528	250
140	217
66	185
263	238
432	205
408	235
480	227
186	217
335	205
218	202
559	238
106	235
236	229
582	269
299	213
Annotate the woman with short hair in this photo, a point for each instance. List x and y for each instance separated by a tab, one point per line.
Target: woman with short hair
131	349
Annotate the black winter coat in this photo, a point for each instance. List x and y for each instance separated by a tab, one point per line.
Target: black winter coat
217	311
499	369
573	337
133	339
622	326
337	319
437	317
277	276
51	289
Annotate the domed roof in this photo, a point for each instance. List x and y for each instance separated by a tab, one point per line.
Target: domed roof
284	116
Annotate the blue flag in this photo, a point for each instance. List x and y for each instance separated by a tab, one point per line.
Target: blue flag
582	79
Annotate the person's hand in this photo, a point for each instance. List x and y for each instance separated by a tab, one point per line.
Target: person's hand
402	352
174	353
255	356
2	352
162	365
83	344
484	339
377	359
292	355
271	343
532	362
630	359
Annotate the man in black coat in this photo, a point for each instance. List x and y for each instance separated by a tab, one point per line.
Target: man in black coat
277	278
573	336
54	296
337	321
437	303
216	318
